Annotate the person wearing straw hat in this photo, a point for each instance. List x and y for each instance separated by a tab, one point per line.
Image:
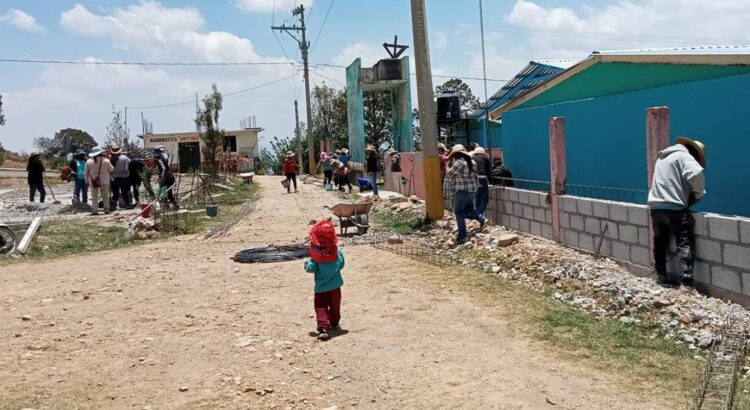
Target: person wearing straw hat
484	169
121	175
395	168
678	184
372	167
98	169
290	169
444	160
166	178
462	174
78	166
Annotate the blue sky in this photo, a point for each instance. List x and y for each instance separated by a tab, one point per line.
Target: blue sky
41	99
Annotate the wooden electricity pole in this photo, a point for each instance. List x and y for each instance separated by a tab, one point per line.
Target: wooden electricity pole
304	47
427	120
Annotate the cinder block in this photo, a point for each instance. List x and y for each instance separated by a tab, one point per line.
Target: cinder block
518	210
535	228
737	256
508	208
628	233
620	251
523	197
592	226
638	215
547	231
576	222
564	219
514	222
708	250
643	236
585	207
528	212
534	198
498	194
505	220
606	248
701	224
618	212
745	283
512	194
612	231
523	225
539	215
724	228
548	216
586	241
569	205
601	209
543	200
745	230
640	255
571	238
726	278
702	272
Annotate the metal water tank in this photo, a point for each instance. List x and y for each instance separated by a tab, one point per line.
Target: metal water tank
388	69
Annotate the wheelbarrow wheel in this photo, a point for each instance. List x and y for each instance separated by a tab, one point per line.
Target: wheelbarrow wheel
363	224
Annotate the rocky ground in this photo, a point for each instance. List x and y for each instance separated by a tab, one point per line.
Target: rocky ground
599	286
177	324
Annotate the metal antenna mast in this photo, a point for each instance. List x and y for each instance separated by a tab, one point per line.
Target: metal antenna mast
304	47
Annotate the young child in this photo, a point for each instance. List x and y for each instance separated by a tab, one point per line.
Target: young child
326	262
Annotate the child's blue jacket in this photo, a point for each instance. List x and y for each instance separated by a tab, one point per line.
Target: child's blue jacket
327	275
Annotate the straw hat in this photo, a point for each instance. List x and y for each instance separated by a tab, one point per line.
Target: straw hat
391	151
345	150
696	148
115	150
371	148
96	151
478	150
458	148
442	146
289	154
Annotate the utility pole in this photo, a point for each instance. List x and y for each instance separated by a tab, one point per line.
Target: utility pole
296	134
427	120
304	47
484	73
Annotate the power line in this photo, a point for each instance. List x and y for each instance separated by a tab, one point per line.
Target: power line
323	25
434	75
144	63
224	94
325	77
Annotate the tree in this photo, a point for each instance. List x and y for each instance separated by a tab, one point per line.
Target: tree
2	116
416	130
117	134
65	141
329	115
378	118
207	120
467	99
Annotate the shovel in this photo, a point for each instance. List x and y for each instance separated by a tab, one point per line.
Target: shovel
54	200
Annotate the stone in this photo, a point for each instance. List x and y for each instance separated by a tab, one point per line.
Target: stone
245	341
395	240
705	340
661	302
184	388
268	390
403	206
25	318
507	239
396	199
686	318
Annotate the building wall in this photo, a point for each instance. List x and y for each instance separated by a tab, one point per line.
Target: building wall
606	140
247	142
722	242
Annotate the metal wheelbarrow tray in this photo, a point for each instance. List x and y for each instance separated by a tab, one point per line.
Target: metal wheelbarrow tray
352	215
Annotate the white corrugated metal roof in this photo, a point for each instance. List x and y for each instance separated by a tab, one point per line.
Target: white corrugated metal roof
694	50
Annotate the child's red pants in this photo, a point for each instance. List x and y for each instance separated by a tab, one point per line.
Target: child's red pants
328	309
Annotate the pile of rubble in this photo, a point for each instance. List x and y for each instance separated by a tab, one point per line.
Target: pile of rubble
142	228
599	286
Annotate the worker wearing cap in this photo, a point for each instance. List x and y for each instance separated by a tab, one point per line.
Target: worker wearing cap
678	184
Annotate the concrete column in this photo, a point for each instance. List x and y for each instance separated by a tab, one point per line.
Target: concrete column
657	139
558	170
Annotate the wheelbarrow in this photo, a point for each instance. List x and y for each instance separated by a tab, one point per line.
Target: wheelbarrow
352	215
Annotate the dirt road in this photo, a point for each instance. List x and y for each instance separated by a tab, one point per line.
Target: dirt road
179	325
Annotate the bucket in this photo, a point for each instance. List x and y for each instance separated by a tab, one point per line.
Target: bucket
145	211
212	211
329	187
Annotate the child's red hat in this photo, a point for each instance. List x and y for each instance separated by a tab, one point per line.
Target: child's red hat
323	242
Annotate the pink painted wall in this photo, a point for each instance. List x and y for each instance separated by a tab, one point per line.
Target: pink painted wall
412	170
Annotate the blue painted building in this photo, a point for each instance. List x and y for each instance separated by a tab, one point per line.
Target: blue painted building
604	100
532	75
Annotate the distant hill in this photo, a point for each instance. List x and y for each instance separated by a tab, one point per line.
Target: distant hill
14	160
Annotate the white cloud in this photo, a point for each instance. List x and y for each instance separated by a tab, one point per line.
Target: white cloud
156	30
268	5
21	20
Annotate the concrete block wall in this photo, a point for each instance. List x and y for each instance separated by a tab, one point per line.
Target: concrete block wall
722	265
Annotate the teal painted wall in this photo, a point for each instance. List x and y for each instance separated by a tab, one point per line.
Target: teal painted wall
476	134
606	140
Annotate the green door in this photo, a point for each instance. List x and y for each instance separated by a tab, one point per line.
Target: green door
190	156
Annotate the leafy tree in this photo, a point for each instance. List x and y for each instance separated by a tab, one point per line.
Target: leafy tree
116	132
455	85
329	115
2	116
65	141
207	120
378	118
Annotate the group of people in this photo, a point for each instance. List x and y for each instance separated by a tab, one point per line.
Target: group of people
111	175
468	175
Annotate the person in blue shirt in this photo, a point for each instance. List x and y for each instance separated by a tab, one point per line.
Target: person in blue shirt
78	166
326	262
